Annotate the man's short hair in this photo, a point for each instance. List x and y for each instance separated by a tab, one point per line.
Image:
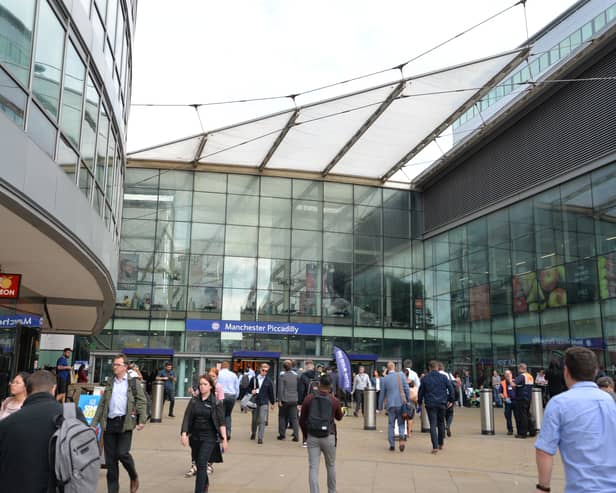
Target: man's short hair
287	365
121	356
408	363
581	363
40	381
67	349
225	364
168	363
433	365
605	382
522	366
308	362
325	381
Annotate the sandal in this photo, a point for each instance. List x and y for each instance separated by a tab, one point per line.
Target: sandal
191	472
210	469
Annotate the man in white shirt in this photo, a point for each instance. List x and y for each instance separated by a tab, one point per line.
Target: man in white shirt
231	388
408	364
361	381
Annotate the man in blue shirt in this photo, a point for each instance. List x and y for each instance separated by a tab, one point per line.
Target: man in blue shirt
168	376
63	374
437	392
582	424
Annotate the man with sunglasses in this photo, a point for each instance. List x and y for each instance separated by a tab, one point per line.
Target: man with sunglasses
263	387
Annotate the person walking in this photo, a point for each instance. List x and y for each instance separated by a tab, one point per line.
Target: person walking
231	388
523	385
450	409
437	393
305	386
581	423
360	383
555	378
395	391
168	376
287	401
262	386
204	428
18	396
317	420
607	385
122	409
496	381
63	372
25	463
507	393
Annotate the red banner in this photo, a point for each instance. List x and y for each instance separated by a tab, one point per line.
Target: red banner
9	286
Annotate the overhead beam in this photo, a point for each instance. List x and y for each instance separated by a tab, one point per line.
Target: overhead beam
365	126
279	139
200	148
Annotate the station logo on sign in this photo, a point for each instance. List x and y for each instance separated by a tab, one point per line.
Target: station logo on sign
9	286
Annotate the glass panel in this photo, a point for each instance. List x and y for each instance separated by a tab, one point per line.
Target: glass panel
397	252
367	195
337	287
396	223
274	243
41	130
205	299
102	148
275	212
137	235
368	220
97	200
85	180
48	60
17	18
239	304
176	180
244	184
307	190
305	300
338	247
337	217
273	306
12	99
241	241
207	238
242	209
210	182
209	207
67	159
273	274
548	229
205	270
397	297
275	187
172	237
306	245
174	205
307	214
111	19
396	199
338	192
72	95
88	138
368	249
578	224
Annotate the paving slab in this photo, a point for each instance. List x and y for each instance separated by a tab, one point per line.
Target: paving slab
469	463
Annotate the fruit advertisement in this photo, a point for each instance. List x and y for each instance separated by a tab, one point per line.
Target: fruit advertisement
532	292
607	275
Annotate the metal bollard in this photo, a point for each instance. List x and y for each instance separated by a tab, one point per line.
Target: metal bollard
486	409
536	410
158	394
369	408
425	420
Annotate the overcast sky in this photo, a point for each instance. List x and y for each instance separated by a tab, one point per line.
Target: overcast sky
201	51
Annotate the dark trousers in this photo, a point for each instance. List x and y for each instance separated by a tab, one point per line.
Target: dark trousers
287	413
508	413
436	415
523	413
117	449
448	417
203	451
359	400
169	395
228	403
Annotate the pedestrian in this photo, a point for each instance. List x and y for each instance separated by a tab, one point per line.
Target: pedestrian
287	401
204	428
218	390
262	386
408	364
360	383
122	409
18	395
231	391
82	374
376	383
467	388
496	381
437	393
25	463
63	373
507	393
459	389
317	422
450	409
395	392
307	380
168	376
541	381
523	385
556	379
607	385
581	423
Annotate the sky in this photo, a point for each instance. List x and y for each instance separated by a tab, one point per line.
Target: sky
203	51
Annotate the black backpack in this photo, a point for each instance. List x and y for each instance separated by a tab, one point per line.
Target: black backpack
320	416
244	381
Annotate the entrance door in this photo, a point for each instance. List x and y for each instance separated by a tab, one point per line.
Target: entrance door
240	364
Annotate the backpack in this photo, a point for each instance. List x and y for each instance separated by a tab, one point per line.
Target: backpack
75	453
148	399
319	416
313	387
244	381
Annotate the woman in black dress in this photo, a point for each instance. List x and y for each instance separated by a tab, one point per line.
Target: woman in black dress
203	427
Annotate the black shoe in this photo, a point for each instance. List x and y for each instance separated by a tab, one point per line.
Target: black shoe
520	436
448	432
252	436
229	437
392	449
260	441
295	439
510	433
172	415
532	434
280	437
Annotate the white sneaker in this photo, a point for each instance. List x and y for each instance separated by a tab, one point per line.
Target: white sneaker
304	444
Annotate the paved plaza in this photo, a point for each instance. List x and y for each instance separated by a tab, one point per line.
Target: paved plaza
470	462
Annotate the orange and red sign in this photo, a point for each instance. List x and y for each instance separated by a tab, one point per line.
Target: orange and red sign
9	286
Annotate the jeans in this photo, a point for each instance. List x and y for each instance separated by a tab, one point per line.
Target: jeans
287	413
436	415
498	400
359	400
204	450
508	413
169	395
259	416
228	403
448	417
393	415
327	445
117	449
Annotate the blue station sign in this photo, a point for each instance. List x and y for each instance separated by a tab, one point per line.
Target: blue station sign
251	327
24	320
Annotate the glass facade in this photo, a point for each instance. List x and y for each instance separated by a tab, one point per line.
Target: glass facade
519	284
50	86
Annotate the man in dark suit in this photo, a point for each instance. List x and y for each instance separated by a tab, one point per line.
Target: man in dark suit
263	387
24	438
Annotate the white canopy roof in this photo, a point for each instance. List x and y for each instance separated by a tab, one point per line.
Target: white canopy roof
369	134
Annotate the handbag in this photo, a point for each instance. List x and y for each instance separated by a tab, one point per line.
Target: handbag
405	409
250	400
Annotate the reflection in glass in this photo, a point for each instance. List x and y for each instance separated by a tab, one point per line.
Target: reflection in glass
205	270
40	129
337	217
209	207
242	209
275	213
174	205
12	99
240	272
72	95
210	182
368	220
337	285
86	179
67	159
239	304
338	192
207	238
275	187
241	240
88	138
16	20
306	245
307	190
172	237
307	214
244	184
274	243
